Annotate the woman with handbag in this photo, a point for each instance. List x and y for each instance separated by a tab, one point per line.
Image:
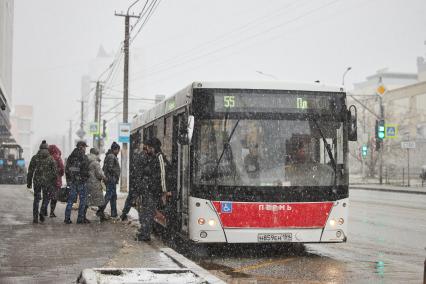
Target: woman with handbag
95	196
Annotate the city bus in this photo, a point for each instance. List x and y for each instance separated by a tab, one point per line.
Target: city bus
253	162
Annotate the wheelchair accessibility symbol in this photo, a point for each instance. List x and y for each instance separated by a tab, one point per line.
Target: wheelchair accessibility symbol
226	207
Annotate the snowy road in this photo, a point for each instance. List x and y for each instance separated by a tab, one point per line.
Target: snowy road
387	243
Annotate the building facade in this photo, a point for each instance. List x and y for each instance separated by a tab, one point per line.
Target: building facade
22	128
404	105
6	46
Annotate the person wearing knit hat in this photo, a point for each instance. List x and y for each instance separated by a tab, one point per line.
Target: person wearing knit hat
44	145
42	173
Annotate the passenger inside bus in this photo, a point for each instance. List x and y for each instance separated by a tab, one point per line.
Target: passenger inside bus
251	162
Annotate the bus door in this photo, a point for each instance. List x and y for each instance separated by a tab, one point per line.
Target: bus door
183	177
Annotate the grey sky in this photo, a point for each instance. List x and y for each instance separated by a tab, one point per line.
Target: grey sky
292	40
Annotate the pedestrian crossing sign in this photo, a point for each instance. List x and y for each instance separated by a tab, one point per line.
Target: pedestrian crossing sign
391	130
226	207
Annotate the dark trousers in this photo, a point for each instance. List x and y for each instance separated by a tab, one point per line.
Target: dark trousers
146	212
52	198
111	196
129	200
38	190
81	191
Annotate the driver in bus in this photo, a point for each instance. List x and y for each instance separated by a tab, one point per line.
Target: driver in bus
303	170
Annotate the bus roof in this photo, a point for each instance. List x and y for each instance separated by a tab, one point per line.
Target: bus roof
267	85
181	97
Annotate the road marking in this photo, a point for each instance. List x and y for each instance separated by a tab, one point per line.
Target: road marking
263	264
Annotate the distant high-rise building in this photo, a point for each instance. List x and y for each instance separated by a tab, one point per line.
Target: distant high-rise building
6	40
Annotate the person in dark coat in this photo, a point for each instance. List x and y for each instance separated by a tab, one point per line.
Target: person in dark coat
152	189
42	172
77	174
112	172
53	192
140	160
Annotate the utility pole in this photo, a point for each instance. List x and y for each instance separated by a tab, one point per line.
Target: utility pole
382	117
124	150
96	120
70	137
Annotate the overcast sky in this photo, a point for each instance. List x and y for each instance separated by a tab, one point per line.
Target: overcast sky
189	40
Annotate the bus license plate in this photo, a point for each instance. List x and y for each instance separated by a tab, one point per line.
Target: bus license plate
283	237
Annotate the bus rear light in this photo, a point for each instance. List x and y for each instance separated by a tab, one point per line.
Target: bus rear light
212	222
341	221
201	221
203	234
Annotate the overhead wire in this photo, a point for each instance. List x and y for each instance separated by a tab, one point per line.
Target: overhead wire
262	19
261	33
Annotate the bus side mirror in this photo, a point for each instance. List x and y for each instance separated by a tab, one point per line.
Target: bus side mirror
352	124
185	135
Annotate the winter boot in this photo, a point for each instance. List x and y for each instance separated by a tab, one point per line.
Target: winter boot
41	218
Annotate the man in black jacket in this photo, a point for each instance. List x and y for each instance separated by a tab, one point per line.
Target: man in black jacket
112	172
139	162
152	189
77	173
42	172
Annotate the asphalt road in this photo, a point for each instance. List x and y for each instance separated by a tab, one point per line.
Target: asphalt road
386	244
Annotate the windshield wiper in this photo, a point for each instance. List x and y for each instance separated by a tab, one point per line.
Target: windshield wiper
327	146
225	146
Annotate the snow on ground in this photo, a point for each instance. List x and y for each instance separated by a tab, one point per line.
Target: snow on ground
147	276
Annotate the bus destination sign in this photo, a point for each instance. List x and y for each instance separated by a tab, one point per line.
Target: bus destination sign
258	102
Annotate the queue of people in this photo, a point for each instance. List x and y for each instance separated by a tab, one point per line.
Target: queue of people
85	176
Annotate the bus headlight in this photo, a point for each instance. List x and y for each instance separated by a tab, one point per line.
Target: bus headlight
332	222
203	234
341	221
338	234
212	222
201	221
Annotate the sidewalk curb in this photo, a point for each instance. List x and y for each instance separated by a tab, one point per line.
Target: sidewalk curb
91	275
387	190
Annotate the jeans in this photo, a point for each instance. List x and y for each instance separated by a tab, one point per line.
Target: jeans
111	196
129	200
81	190
37	197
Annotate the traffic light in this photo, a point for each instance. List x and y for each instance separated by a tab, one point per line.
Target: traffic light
364	151
380	130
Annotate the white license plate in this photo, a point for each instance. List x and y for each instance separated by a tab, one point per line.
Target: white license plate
271	238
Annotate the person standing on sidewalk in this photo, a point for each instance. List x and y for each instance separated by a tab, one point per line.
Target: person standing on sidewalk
153	188
95	196
140	160
112	172
42	173
53	191
77	173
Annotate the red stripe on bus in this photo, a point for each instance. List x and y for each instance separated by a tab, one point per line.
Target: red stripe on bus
273	215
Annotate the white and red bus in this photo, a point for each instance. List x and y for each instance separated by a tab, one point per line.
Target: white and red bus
253	162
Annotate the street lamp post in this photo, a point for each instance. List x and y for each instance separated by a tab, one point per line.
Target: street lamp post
267	75
344	75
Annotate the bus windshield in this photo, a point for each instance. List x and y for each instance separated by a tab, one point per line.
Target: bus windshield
268	152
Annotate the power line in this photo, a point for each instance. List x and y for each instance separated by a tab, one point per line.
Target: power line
245	27
261	33
153	7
